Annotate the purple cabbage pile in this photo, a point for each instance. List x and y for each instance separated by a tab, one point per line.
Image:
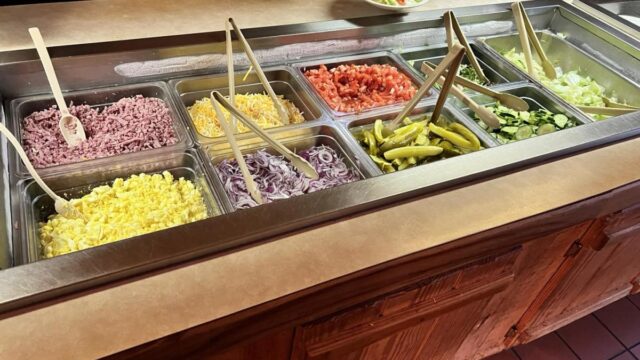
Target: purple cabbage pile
277	179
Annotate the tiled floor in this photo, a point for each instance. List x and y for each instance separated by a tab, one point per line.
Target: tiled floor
612	333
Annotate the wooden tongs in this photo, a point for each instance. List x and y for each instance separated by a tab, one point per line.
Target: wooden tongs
452	27
296	160
451	62
282	111
527	33
506	99
485	115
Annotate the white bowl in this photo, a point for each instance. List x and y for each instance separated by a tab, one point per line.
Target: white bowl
396	7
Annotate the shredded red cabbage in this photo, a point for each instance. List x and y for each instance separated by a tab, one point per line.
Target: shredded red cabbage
277	179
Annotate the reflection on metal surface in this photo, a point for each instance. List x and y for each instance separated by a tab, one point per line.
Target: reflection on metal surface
91	66
626	12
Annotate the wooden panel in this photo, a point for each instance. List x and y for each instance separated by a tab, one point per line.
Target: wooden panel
539	260
603	271
410	321
272	346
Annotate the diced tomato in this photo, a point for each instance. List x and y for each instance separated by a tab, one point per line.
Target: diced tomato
354	88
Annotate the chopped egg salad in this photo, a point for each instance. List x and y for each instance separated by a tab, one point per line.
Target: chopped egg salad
258	107
138	205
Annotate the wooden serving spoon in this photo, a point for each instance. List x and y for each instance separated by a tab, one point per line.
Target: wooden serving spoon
506	99
69	125
296	160
62	206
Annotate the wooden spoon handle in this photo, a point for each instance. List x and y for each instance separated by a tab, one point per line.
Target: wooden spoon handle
48	69
301	164
506	99
531	33
231	76
246	175
464	82
448	27
608	111
446	85
524	39
429	82
485	115
547	66
27	163
473	60
282	112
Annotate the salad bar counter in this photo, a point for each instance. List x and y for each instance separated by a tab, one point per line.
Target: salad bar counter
158	185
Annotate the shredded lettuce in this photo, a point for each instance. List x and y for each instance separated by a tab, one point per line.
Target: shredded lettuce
573	87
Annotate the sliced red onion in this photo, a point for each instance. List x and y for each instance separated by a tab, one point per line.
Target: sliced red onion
277	179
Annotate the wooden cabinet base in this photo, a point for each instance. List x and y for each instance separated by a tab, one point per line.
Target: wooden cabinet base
463	300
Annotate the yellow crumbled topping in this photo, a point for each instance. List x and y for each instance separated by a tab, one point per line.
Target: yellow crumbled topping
258	107
139	205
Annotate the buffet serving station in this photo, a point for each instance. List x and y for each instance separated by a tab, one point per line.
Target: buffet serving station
467	285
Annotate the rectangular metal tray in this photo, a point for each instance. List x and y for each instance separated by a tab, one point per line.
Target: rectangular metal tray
381	58
295	140
568	57
536	97
359	125
33	206
97	98
281	78
496	71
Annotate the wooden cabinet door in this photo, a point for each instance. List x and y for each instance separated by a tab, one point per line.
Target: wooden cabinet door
539	260
603	269
428	320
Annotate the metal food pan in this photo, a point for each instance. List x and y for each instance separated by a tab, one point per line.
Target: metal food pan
97	98
282	80
34	206
357	126
537	98
569	57
296	140
379	58
496	71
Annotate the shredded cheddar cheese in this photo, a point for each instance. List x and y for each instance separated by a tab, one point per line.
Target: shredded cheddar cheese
138	205
258	107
